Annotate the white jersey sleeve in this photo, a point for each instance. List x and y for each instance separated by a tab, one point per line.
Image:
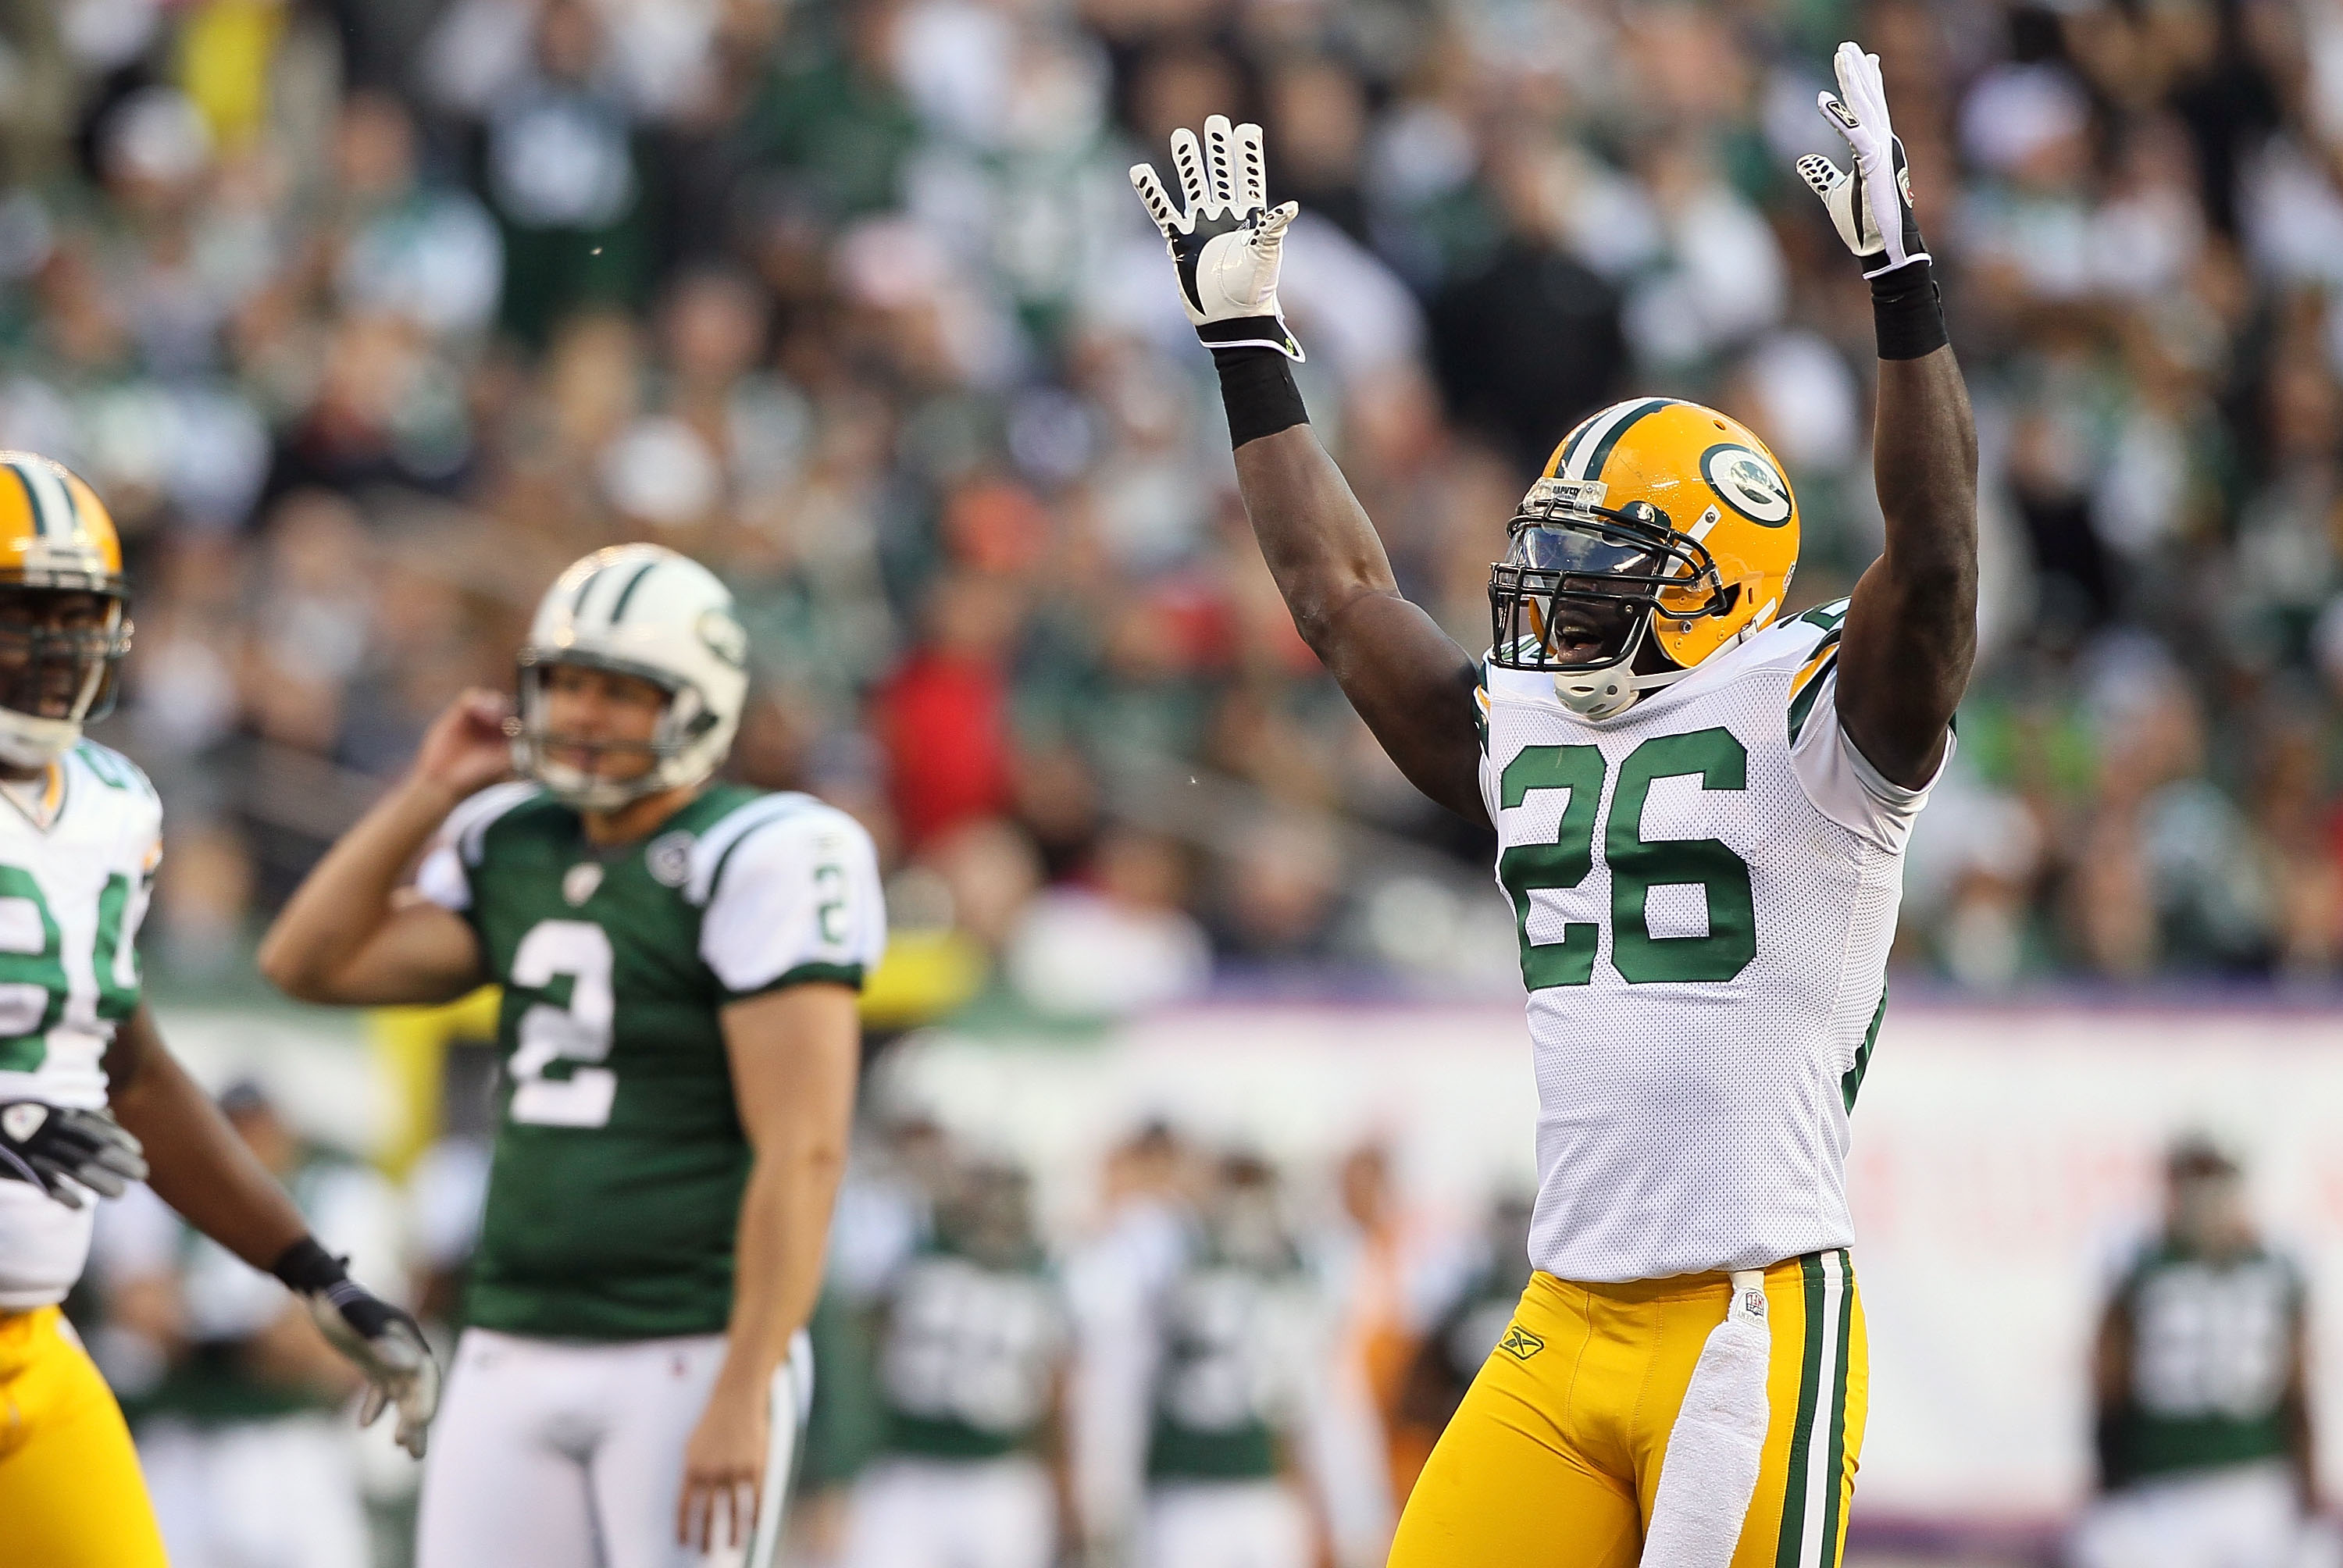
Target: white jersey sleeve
1835	774
792	894
445	875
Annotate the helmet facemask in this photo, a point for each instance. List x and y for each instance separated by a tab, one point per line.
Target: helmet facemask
56	677
677	750
1580	583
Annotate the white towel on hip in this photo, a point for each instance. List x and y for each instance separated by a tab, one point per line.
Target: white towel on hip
1709	1473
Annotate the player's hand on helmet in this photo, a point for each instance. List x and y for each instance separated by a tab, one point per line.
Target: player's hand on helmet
63	1151
1871	204
467	749
381	1341
1227	241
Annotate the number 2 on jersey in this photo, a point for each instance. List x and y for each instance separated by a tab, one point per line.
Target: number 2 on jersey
578	1033
1637	864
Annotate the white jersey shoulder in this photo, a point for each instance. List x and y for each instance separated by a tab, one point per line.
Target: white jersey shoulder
1704	889
78	860
445	876
790	891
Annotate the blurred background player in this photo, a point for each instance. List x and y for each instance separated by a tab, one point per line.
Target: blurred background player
971	1342
231	1392
85	1079
1250	1439
679	960
2198	1374
1462	1334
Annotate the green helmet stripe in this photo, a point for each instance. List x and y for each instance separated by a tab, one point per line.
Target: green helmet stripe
32	497
585	587
1611	438
634	582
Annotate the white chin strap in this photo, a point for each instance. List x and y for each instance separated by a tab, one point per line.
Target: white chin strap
584	791
1610	689
27	740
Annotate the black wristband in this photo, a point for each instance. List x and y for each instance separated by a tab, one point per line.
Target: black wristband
308	1268
1257	390
1907	312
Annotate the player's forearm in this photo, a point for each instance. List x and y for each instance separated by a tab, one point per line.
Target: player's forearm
1320	547
346	898
195	1160
1924	466
783	1234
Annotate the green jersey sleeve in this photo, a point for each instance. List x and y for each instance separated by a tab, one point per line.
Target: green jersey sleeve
793	897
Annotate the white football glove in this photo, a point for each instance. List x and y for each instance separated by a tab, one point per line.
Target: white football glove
1227	244
1872	206
381	1340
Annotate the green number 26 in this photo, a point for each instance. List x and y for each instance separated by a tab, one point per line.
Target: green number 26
1637	864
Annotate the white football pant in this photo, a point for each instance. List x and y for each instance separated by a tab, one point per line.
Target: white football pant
2239	1516
1224	1524
551	1453
277	1494
953	1513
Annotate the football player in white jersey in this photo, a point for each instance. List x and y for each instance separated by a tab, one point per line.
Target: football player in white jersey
90	1101
1701	809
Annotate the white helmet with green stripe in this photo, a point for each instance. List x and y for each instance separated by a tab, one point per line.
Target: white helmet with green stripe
646	611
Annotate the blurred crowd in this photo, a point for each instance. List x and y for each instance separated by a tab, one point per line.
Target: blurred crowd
365	317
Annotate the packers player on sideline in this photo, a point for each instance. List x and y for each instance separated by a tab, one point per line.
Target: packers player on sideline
90	1100
1701	809
680	960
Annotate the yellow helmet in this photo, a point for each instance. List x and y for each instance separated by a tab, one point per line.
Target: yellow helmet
58	659
1656	523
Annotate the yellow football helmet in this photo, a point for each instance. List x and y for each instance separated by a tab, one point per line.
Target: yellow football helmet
65	622
1656	522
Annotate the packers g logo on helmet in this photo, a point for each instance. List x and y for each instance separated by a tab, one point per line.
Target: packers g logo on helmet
1658	525
65	622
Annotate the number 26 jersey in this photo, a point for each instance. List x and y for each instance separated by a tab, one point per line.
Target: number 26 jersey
614	1195
1704	888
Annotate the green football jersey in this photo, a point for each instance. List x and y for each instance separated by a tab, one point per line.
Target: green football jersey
1228	1387
619	1157
2212	1344
969	1354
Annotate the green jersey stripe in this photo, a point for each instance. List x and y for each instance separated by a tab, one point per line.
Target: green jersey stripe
1834	1478
1851	1084
1803	704
847	975
714	849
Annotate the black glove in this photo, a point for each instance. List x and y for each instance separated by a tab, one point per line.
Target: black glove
63	1150
382	1341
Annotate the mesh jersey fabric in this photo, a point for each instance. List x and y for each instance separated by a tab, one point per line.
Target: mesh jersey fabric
72	897
1704	950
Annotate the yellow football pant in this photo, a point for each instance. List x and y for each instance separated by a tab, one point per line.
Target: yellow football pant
1553	1458
70	1493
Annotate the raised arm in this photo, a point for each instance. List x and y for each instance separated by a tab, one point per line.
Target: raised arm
351	935
1407	679
1910	635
